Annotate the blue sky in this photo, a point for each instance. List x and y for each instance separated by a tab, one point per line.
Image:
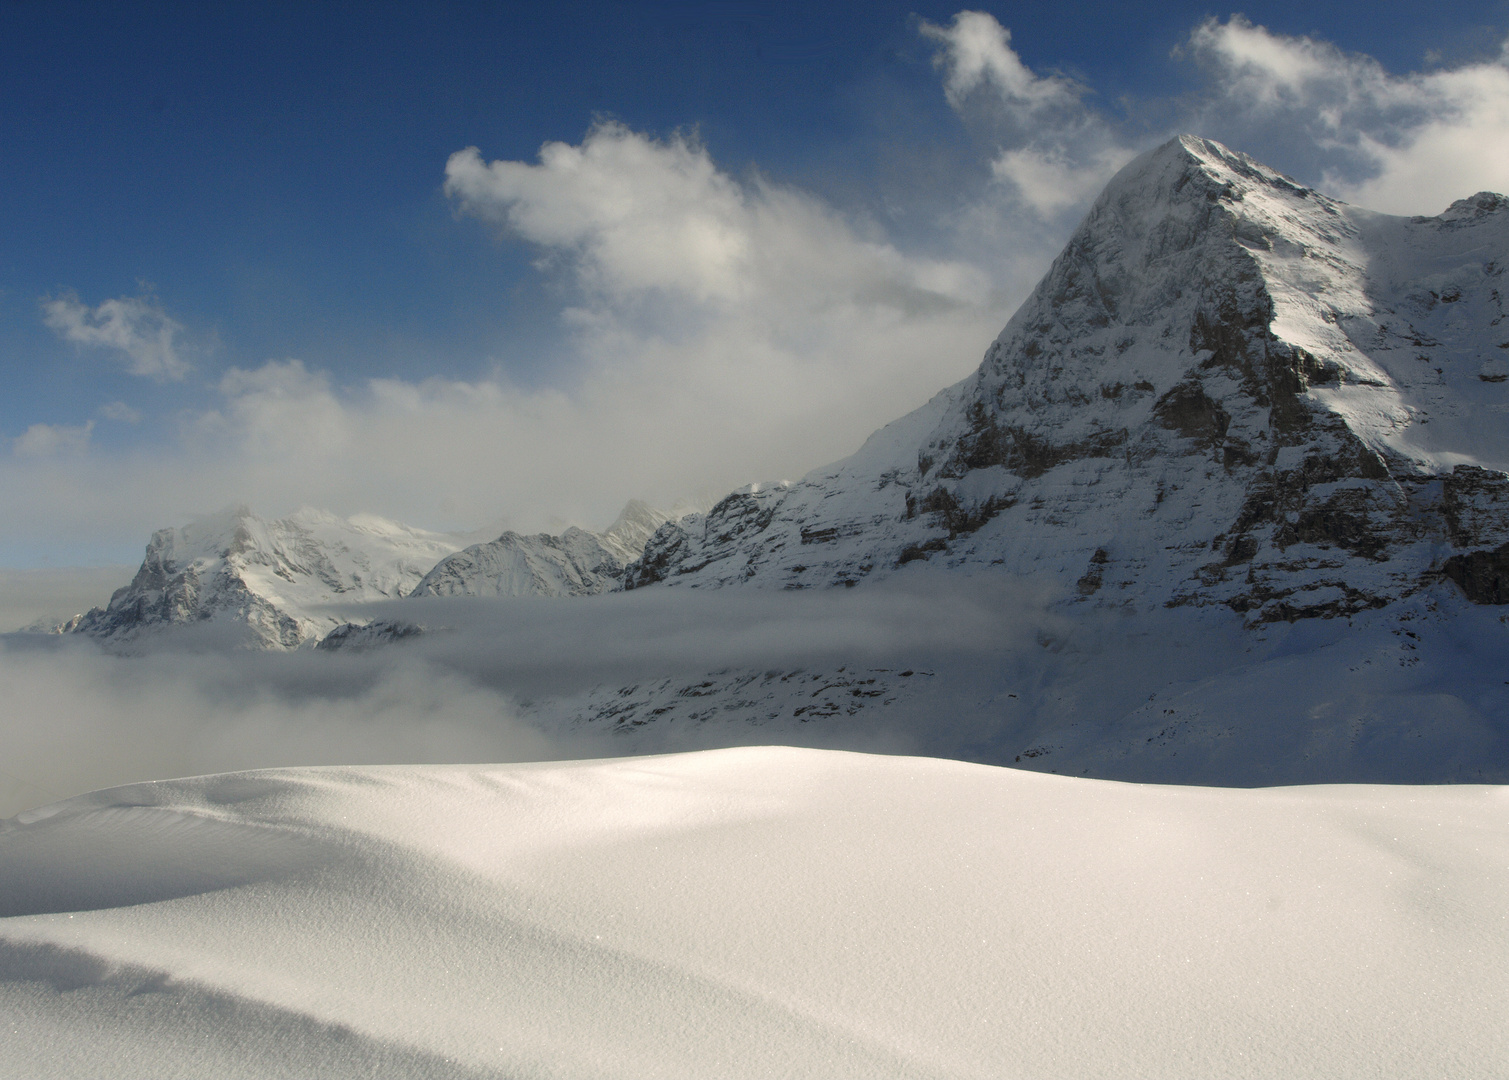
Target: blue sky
767	229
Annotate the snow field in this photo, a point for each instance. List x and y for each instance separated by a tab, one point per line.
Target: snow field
753	912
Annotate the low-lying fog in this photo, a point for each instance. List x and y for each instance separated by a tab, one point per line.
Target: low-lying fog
77	717
945	665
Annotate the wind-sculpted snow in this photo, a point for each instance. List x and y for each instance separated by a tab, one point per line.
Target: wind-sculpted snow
752	913
266	582
1228	390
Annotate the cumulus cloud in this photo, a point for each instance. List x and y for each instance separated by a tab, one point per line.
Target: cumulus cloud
637	216
1406	144
977	54
1055	150
720	331
134	326
54	440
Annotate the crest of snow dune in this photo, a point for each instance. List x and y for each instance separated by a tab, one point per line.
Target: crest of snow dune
752	913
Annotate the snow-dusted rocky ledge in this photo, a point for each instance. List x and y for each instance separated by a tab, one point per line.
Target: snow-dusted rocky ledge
753	913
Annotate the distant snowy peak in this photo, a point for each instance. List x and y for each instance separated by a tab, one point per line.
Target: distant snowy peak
1228	389
270	577
575	563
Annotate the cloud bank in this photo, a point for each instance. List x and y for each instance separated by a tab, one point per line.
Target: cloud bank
1407	144
721	331
75	718
135	327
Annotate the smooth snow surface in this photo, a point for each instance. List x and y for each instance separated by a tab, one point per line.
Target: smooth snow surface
759	912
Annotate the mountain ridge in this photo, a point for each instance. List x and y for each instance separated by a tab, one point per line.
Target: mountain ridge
1215	396
266	580
575	563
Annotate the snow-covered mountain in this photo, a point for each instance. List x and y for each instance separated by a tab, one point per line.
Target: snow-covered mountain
276	577
1229	390
267	580
1231	486
575	563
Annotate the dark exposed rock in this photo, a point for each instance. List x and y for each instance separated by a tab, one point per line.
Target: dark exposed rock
662	552
359	637
1187	410
1482	575
988	443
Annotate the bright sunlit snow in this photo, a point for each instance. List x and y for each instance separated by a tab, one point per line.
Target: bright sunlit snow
754	912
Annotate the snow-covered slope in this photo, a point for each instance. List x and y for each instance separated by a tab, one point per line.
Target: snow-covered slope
575	563
266	581
753	913
1228	390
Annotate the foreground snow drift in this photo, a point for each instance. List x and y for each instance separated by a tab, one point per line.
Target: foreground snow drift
753	912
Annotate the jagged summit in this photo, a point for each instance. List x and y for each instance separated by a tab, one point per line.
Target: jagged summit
267	579
1229	389
1474	206
575	563
275	583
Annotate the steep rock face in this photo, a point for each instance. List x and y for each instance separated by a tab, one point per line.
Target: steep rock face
268	577
575	563
1228	390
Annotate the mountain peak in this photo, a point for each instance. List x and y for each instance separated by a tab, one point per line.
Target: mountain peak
1475	206
575	563
274	579
1228	389
1217	171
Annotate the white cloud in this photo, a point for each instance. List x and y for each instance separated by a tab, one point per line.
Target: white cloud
135	326
120	412
53	440
1399	143
1055	152
721	331
643	217
279	412
1050	181
977	54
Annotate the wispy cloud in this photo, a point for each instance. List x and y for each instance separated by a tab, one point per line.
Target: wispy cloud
1055	149
135	327
1409	143
977	55
53	440
120	412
